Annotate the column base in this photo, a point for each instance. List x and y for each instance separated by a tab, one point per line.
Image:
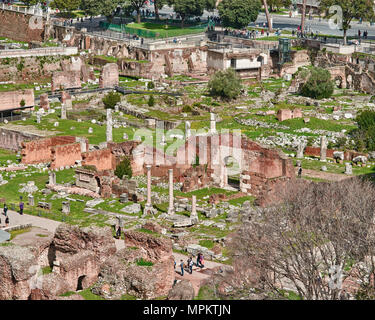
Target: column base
149	210
171	211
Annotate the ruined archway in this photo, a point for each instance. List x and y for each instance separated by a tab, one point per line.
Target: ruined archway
99	185
81	282
232	172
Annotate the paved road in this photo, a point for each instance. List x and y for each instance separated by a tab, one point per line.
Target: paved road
16	219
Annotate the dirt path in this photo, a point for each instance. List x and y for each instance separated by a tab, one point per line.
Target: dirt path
323	175
16	219
198	275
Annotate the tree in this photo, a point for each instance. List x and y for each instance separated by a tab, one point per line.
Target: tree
265	5
66	5
225	84
30	3
137	5
158	4
238	14
351	9
124	169
318	83
364	135
318	238
277	4
188	8
103	7
111	99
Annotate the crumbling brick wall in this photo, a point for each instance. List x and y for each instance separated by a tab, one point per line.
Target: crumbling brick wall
12	140
12	99
16	26
40	151
66	80
109	76
102	159
65	155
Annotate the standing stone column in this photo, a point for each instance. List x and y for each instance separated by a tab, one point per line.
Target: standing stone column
109	125
212	123
323	148
171	206
300	149
65	207
187	129
194	214
38	117
63	111
148	167
348	168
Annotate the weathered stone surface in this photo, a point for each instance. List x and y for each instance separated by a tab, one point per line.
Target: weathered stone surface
182	290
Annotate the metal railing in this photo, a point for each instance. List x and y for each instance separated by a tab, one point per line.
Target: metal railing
24	10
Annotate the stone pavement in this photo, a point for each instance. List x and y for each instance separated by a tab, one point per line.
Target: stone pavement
16	219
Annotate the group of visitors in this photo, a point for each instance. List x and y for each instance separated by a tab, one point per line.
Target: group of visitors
5	213
190	263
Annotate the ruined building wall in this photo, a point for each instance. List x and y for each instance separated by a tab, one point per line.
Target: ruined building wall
102	159
15	25
12	99
65	155
38	151
12	140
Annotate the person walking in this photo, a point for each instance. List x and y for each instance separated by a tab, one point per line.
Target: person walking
118	233
299	172
5	209
191	263
201	261
182	267
21	207
198	259
7	221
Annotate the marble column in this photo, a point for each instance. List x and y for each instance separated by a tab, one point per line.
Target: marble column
194	214
323	148
187	129
300	149
348	168
148	167
171	206
109	125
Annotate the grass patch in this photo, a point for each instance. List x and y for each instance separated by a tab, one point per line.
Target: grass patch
47	270
128	297
144	263
15	233
209	244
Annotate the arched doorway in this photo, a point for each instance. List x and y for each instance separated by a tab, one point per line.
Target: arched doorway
99	185
80	282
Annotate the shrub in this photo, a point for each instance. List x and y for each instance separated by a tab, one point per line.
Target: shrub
22	103
187	109
150	85
151	101
318	84
225	84
364	136
124	169
141	262
111	99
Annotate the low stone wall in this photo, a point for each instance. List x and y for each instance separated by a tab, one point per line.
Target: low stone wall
38	52
12	139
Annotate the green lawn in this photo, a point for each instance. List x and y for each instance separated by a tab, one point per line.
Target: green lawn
165	31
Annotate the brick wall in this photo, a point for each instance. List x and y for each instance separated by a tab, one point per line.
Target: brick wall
12	99
102	159
65	155
40	151
16	26
109	76
66	79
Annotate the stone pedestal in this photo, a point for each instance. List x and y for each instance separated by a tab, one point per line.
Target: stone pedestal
52	178
194	215
171	206
148	167
109	126
38	118
66	207
31	200
323	148
63	111
124	198
348	168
